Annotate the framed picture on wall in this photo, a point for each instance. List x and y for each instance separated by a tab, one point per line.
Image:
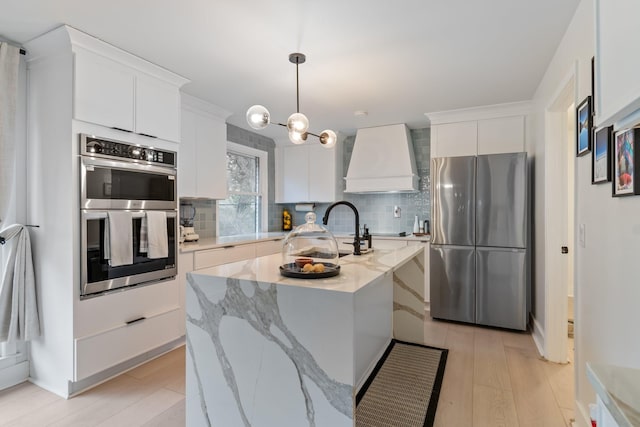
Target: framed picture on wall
583	127
625	157
601	155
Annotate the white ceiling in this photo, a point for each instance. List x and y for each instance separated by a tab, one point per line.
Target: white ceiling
395	59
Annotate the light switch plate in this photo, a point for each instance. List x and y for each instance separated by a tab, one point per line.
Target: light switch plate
582	235
397	211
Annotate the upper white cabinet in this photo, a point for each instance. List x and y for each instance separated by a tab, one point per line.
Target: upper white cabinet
487	130
115	89
454	139
103	91
157	108
202	161
616	60
501	135
307	173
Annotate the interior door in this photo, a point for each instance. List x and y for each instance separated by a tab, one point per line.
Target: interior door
453	283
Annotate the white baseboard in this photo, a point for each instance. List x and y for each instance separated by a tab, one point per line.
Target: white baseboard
538	335
14	374
583	419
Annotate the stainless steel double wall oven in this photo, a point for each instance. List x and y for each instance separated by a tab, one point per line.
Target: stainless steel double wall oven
118	176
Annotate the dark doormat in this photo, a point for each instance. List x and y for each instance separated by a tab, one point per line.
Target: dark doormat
404	387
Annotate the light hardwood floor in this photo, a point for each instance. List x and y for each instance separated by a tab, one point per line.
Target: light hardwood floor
492	378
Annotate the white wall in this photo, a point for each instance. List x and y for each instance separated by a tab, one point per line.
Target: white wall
607	270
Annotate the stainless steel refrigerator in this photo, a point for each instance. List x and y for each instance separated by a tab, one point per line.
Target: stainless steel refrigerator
479	266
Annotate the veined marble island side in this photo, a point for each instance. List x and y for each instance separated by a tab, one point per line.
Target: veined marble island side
265	350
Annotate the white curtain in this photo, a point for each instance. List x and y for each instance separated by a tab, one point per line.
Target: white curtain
9	65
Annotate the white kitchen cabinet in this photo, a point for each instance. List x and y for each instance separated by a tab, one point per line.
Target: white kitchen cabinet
103	92
268	247
157	108
308	173
485	136
426	244
616	61
115	89
454	139
501	135
295	168
202	162
108	348
224	255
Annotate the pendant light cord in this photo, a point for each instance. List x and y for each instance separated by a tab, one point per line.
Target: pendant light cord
297	90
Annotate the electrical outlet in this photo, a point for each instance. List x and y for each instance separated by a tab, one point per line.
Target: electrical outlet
397	211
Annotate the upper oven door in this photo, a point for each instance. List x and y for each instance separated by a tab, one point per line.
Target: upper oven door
109	184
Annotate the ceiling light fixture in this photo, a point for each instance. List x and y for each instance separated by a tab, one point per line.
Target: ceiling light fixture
258	116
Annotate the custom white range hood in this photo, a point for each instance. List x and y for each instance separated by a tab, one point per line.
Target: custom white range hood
382	161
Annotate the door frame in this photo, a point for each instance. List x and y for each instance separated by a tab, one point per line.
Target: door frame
557	128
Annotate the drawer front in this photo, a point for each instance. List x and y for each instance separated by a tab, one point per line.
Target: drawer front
268	248
96	353
105	312
219	256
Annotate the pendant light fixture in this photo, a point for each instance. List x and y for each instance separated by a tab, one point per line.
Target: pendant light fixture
258	116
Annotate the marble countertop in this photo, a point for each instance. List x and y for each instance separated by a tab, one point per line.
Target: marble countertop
218	242
355	271
619	389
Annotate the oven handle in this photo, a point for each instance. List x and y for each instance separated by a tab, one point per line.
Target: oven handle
87	162
135	214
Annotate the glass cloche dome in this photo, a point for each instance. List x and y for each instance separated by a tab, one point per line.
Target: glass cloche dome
310	251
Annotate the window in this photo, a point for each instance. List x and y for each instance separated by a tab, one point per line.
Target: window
244	211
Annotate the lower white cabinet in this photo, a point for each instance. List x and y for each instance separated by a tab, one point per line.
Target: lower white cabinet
101	351
224	255
426	244
268	247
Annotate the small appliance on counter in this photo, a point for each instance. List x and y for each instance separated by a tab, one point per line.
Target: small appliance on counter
187	231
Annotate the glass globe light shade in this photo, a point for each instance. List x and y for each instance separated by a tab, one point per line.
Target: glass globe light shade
298	122
328	138
297	137
258	117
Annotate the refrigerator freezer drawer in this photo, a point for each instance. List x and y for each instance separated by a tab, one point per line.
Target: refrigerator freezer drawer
501	200
453	201
501	288
452	282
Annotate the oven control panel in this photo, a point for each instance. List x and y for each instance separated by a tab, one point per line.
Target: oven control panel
108	148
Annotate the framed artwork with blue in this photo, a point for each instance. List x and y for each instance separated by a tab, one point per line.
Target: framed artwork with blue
584	122
625	157
601	155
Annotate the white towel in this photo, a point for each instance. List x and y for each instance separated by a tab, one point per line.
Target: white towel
118	238
18	304
157	234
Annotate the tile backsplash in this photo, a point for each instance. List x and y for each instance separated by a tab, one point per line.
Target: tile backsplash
375	210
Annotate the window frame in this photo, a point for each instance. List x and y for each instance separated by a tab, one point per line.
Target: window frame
263	180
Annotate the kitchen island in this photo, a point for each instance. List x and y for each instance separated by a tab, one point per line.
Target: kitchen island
263	349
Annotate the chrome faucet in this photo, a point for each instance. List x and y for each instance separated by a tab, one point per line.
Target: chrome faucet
356	241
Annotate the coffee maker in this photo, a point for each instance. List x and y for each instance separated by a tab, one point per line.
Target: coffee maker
187	214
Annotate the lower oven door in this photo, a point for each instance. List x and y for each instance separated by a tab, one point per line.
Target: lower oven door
98	276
